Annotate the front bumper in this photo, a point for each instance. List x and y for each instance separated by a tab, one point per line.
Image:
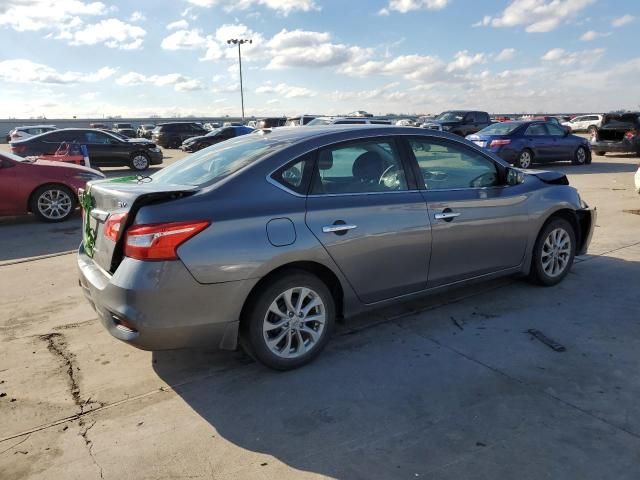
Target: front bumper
164	306
587	221
156	157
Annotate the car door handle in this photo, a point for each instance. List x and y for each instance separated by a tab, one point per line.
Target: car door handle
338	228
446	215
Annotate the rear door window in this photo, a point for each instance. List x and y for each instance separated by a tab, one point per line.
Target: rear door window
555	130
536	130
366	166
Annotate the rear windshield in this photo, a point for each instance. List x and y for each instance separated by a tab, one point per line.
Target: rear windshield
504	128
213	164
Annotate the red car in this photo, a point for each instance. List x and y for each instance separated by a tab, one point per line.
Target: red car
47	189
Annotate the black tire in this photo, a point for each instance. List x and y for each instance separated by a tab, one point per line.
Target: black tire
61	195
539	273
139	161
257	312
580	156
525	159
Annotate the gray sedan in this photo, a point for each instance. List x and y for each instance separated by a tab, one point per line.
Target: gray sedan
267	239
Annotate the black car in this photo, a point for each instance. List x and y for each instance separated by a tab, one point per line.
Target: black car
194	144
271	122
105	149
171	135
460	122
618	133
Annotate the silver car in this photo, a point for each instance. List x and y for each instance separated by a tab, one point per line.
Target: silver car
268	238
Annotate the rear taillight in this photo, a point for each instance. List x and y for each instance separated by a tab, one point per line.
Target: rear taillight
159	241
18	149
630	134
499	142
113	226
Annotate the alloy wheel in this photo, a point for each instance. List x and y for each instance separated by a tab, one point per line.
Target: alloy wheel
140	162
556	252
525	159
54	204
294	322
581	155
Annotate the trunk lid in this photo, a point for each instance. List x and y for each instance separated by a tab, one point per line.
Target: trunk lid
105	198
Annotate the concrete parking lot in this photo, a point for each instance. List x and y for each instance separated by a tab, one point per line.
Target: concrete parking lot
448	387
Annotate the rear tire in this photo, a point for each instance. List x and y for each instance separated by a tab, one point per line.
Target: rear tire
53	203
580	156
525	159
290	321
553	253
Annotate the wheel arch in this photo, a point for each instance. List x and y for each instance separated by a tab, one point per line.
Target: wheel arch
324	273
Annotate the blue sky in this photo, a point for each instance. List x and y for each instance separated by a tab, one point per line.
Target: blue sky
92	58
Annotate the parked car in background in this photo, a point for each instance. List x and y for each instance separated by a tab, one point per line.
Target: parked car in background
101	126
459	122
20	133
194	144
47	189
105	149
299	120
188	258
125	129
405	122
524	143
232	124
271	122
348	121
618	133
501	118
360	113
211	126
584	123
145	130
171	135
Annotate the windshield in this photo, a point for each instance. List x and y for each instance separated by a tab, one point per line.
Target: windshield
450	117
504	128
212	164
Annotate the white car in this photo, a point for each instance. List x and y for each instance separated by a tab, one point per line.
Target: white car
20	133
585	123
348	121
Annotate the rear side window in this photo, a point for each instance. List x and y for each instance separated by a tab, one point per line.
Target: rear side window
446	166
295	175
359	167
483	117
500	129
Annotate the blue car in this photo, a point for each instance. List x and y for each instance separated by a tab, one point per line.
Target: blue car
528	142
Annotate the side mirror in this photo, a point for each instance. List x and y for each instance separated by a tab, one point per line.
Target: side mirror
514	177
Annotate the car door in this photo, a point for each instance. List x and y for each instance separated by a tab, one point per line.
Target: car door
104	150
10	200
478	224
538	140
562	145
370	218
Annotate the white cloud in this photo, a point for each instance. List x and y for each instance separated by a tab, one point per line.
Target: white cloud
593	35
622	21
137	17
112	32
463	61
554	54
506	54
283	6
536	15
184	40
180	83
178	25
25	71
404	6
287	91
35	15
562	57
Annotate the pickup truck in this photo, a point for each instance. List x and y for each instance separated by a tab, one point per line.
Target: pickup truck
460	122
618	133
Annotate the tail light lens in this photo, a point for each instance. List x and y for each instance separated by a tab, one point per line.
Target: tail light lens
630	134
499	142
113	225
160	241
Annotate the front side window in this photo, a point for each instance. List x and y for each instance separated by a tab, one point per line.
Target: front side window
537	129
446	166
359	167
555	130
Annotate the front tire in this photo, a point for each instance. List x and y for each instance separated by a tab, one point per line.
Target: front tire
580	157
525	159
290	321
553	253
53	203
139	162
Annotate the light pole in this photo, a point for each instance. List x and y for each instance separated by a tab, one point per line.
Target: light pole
240	42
